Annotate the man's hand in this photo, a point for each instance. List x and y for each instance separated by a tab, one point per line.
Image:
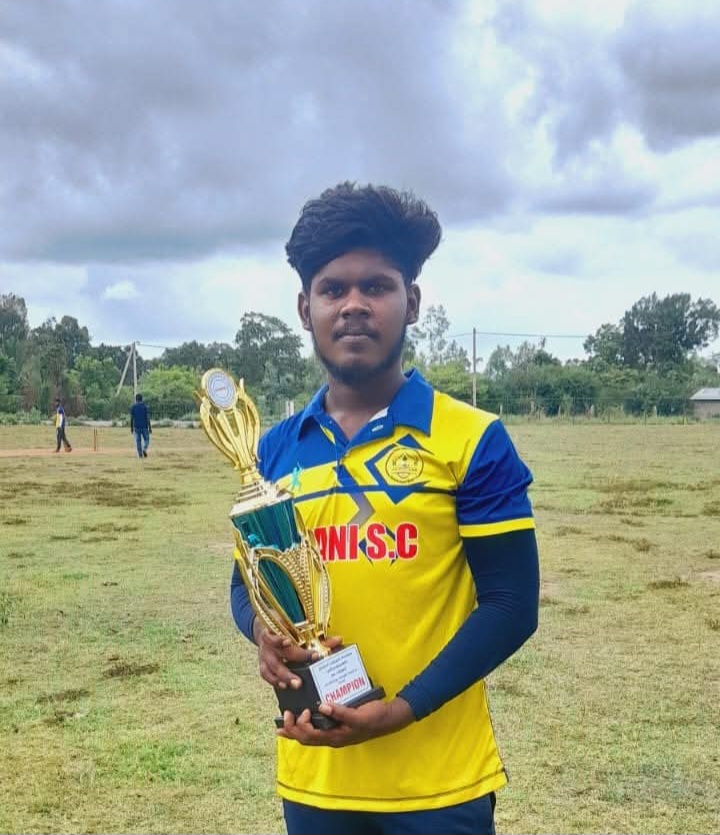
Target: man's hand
274	651
373	719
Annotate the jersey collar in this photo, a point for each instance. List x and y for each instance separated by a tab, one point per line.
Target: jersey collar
411	406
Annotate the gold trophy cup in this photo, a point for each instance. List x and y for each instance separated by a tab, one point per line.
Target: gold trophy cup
279	561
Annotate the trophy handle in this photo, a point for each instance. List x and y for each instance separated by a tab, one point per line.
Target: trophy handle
232	423
312	590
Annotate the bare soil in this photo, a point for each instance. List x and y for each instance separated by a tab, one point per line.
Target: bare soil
39	453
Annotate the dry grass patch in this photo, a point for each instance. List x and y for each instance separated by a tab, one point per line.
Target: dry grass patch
566	530
152	717
71	695
126	669
673	583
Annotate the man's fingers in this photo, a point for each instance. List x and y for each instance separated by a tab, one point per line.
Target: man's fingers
340	713
297	655
276	641
305	718
276	673
283	647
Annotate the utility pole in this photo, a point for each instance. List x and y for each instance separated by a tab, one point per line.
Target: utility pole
132	355
474	369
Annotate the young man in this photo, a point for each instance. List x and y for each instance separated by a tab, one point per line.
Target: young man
140	425
60	421
419	505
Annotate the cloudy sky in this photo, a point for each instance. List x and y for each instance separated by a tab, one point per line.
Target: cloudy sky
155	155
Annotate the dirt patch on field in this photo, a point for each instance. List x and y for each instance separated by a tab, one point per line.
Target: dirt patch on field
41	453
125	669
63	696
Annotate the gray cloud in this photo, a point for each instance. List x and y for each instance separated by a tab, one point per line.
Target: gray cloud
670	61
618	194
176	129
577	86
658	71
173	130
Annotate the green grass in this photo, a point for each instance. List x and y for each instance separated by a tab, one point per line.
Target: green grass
128	702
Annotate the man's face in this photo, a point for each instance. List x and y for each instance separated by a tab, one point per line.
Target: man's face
357	310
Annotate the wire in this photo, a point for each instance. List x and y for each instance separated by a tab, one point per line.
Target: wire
534	335
149	345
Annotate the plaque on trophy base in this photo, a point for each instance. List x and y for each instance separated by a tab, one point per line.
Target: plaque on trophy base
339	677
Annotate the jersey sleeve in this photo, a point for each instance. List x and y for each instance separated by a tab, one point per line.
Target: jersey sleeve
492	497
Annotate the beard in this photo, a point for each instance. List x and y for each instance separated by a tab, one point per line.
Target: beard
355	373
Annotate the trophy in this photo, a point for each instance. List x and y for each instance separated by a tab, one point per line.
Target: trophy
279	560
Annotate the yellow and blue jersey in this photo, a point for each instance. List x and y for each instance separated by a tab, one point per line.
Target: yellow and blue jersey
389	509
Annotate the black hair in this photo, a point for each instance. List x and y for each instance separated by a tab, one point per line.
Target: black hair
138	398
346	217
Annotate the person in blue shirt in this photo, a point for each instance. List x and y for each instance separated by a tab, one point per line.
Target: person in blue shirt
140	425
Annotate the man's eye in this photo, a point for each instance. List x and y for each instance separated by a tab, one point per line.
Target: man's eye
332	290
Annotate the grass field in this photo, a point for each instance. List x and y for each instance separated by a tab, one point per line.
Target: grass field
129	704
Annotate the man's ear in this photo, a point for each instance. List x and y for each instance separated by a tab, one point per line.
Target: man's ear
303	306
413	304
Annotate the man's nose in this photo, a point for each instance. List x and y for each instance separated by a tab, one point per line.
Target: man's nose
355	302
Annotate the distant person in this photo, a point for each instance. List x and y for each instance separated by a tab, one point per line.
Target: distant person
60	421
140	425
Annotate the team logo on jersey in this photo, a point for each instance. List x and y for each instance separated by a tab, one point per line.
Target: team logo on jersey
403	465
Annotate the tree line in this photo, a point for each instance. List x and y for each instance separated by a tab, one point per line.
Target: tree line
648	361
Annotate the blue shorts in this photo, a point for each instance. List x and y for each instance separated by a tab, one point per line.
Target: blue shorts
476	817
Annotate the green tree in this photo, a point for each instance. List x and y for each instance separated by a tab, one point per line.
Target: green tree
75	338
14	328
605	346
52	349
200	357
313	376
429	342
504	360
453	378
410	349
656	333
96	382
45	370
118	354
704	373
9	399
168	392
499	362
264	340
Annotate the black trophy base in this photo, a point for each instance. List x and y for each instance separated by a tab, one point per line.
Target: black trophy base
307	697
